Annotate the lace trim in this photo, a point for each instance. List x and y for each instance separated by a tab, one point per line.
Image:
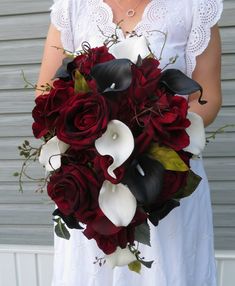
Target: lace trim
207	14
102	16
61	19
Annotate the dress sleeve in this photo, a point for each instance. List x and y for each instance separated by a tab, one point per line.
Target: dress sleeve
61	18
206	13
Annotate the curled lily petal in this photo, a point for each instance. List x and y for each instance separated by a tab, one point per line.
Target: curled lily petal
120	257
50	155
131	48
178	83
117	142
196	132
117	203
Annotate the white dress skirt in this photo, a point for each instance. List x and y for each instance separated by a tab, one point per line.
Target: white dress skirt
182	244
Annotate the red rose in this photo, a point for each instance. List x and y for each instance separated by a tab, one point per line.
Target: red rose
166	120
48	106
75	190
83	120
108	237
94	56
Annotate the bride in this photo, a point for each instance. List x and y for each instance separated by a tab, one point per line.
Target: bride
182	243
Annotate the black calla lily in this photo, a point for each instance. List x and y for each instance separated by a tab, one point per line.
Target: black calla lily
178	83
113	76
63	72
144	178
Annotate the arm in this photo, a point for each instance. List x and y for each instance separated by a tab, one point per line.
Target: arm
52	58
207	73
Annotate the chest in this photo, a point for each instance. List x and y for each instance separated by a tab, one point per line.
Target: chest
165	23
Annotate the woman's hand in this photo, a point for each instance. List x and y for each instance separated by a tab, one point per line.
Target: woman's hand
208	74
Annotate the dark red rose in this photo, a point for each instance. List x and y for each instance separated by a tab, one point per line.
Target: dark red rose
166	120
75	190
93	56
83	120
80	157
48	106
108	237
145	81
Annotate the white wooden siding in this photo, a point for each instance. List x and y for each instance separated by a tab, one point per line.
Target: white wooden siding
26	218
33	266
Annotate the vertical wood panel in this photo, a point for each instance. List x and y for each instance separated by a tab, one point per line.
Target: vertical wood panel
8	275
45	266
228	273
26	269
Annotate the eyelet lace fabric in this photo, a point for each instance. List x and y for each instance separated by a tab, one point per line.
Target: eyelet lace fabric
207	14
61	18
158	13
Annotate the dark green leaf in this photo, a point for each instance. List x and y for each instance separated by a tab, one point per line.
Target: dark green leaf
142	234
147	264
160	212
69	220
16	174
193	180
61	230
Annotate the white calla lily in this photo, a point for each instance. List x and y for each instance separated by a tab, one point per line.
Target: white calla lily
196	132
50	155
130	48
117	142
117	203
120	257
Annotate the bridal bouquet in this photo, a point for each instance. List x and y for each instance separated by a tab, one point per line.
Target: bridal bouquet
118	139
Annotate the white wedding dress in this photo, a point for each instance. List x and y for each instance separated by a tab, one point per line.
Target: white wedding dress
182	244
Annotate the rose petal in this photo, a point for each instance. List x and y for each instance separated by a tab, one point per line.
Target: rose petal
118	142
130	48
196	132
117	203
120	257
50	155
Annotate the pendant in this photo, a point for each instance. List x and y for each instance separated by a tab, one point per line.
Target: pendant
130	13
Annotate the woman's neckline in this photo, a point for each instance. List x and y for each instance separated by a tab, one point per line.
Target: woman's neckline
139	23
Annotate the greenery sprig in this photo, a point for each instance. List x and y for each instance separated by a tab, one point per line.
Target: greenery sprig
30	154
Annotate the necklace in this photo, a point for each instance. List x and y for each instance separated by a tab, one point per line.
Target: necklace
131	11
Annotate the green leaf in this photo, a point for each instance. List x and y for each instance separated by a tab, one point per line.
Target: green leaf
168	158
135	266
26	142
61	230
192	183
147	264
16	174
142	234
80	84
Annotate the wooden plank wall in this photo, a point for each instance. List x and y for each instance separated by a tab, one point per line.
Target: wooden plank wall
25	218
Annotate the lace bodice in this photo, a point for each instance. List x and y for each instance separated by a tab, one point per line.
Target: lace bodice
173	28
